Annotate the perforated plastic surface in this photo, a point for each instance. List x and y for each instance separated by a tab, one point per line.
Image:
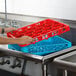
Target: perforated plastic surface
40	30
44	47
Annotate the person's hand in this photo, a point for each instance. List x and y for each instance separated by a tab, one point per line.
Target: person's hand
9	29
25	40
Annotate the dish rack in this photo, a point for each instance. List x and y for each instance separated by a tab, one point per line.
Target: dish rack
44	47
40	31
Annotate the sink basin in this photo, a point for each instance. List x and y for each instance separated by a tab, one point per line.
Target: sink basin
70	59
67	59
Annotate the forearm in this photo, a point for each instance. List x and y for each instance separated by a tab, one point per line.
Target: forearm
4	40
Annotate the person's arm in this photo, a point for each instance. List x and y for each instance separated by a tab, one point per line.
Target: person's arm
4	40
22	40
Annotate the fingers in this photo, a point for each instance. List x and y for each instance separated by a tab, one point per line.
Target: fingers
28	39
31	39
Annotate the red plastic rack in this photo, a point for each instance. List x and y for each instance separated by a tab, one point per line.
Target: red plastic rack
40	30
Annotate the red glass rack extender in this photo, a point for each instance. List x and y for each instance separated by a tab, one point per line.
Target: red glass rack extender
41	30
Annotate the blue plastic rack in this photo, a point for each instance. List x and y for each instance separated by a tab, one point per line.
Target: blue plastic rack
44	47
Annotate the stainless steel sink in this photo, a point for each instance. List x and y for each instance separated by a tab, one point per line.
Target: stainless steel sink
71	59
67	63
67	59
26	20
